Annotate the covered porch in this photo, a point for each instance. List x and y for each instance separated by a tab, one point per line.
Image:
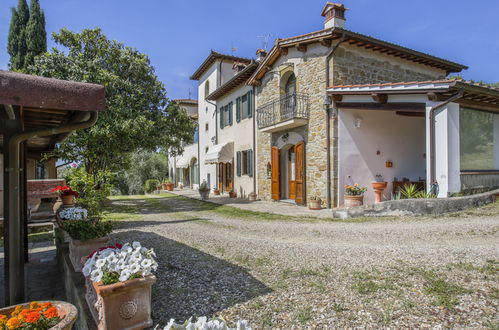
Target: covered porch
36	113
441	136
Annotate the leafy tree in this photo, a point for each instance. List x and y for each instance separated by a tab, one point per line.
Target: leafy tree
138	117
16	45
146	165
36	36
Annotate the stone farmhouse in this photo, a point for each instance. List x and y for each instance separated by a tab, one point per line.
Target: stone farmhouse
335	107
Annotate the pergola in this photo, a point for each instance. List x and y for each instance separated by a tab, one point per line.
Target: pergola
36	113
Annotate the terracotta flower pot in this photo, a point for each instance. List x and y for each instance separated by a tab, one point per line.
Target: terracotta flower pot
315	204
252	197
67	312
68	201
170	186
216	192
81	249
232	194
121	306
164	186
354	200
379	187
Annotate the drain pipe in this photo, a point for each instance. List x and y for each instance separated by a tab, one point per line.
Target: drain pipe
254	139
328	124
15	269
432	112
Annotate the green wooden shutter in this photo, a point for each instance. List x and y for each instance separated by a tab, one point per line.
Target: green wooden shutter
221	112
230	113
238	163
250	162
238	109
250	104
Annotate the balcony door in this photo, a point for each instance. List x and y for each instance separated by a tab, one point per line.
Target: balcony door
289	103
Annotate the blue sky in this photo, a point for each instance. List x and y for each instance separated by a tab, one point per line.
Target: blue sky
179	34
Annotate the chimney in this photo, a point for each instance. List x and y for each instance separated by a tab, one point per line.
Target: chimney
260	54
334	15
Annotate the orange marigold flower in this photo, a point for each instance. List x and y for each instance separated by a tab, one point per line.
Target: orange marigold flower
46	305
13	323
17	310
33	317
34	304
3	319
51	312
356	184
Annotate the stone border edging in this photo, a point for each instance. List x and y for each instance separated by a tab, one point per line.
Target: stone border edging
417	207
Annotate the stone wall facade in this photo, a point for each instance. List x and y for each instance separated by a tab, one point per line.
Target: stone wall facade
349	65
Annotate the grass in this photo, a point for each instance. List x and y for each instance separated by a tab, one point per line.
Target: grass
304	315
37	237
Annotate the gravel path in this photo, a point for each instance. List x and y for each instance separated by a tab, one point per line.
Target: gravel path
407	272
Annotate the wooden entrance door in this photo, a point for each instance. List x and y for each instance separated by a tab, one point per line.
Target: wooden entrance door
275	175
300	172
292	173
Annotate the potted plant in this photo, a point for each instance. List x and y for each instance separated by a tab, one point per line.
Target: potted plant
204	190
118	286
216	191
232	194
64	214
150	185
86	236
203	323
314	203
41	315
169	185
252	196
378	186
66	194
354	195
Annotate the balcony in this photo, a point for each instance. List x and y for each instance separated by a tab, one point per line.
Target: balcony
284	113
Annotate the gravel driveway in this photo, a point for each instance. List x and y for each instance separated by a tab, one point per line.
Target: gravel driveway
302	273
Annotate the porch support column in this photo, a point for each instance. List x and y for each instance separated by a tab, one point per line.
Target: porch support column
495	118
446	149
13	228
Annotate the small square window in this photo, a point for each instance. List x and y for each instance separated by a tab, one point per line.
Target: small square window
206	127
206	150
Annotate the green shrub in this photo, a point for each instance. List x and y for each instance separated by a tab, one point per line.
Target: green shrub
151	185
84	230
93	189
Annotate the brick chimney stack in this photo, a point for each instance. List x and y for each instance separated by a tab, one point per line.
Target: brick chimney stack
334	15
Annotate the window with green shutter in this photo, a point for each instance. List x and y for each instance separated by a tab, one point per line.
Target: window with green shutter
238	109
238	163
230	113
250	104
250	162
221	113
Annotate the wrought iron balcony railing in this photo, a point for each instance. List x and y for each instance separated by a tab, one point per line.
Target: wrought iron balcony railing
288	107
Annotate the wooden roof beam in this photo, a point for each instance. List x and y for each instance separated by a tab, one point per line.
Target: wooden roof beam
379	97
301	47
326	42
9	109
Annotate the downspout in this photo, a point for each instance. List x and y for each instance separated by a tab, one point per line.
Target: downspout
254	140
328	124
14	253
431	116
216	139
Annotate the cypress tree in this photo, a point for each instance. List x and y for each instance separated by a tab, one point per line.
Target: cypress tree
36	36
17	47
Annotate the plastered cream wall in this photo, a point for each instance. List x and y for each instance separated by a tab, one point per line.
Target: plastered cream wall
241	134
207	114
380	136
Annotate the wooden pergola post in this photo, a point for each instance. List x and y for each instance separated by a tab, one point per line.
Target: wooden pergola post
13	226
